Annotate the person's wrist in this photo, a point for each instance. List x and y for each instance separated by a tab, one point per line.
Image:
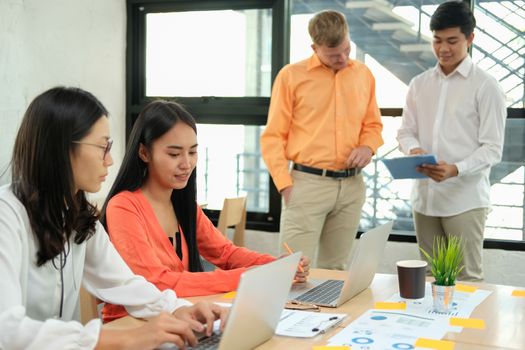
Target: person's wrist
455	170
116	339
369	148
180	309
127	340
283	189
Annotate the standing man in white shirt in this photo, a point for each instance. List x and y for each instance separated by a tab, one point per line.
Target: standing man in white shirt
457	112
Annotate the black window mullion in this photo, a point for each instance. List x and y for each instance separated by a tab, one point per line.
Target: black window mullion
208	109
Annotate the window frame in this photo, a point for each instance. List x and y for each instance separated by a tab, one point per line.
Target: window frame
227	110
208	109
488	243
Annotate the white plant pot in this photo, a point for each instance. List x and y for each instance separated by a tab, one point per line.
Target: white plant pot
443	297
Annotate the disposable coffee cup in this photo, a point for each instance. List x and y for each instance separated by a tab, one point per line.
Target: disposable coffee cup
411	276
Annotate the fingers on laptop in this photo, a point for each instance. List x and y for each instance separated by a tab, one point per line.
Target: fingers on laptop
201	316
166	328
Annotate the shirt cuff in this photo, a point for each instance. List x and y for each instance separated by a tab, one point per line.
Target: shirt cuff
282	182
462	168
22	332
168	301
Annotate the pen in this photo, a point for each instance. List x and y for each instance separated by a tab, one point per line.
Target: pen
291	252
333	318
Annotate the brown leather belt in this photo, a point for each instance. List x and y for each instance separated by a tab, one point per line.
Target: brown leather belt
337	174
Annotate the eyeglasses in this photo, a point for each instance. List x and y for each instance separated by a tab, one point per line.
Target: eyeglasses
106	147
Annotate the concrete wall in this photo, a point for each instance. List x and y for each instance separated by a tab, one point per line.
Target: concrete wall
47	43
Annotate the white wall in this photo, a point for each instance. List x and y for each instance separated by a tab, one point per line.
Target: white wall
47	43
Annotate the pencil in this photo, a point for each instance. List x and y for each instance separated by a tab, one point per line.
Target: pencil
291	252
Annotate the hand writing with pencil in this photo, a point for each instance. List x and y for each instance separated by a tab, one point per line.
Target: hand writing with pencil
303	269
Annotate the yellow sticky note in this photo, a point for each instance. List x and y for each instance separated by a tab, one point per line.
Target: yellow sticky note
229	295
386	305
466	288
434	344
477	323
518	293
328	347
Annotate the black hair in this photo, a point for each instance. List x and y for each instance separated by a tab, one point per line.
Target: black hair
455	13
41	168
157	118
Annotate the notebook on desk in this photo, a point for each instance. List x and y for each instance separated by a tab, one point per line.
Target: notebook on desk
361	272
257	307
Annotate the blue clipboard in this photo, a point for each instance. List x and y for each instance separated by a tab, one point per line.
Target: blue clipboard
405	167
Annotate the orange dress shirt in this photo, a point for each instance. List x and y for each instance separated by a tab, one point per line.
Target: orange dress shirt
145	247
317	117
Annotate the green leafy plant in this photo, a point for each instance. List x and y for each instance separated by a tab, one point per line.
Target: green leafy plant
446	259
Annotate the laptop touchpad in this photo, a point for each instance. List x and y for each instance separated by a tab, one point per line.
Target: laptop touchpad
300	288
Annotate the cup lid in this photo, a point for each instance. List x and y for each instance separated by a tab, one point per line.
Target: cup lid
412	263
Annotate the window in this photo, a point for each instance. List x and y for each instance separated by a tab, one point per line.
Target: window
227	53
499	46
219	58
395	43
231	169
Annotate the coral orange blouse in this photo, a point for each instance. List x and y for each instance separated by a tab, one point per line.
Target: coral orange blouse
146	248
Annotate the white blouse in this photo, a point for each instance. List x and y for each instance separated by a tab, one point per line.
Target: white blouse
460	118
31	295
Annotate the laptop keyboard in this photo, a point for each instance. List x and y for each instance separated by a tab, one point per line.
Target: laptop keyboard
208	343
325	293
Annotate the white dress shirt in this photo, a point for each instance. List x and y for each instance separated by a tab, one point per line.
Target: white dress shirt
460	118
30	295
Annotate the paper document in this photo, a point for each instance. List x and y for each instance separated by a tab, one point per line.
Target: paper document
405	167
306	324
382	329
402	329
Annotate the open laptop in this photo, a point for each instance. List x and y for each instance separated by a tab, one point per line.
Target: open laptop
257	307
361	272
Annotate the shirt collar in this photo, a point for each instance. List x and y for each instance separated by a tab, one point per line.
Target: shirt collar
314	62
463	69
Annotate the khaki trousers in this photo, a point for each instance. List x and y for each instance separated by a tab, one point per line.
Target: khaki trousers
322	217
469	226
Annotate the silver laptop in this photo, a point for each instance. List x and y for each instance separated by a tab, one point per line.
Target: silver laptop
361	272
257	307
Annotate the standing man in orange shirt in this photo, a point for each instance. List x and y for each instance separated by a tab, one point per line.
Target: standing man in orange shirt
324	118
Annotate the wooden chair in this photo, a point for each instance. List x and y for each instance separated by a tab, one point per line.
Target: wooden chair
88	306
233	213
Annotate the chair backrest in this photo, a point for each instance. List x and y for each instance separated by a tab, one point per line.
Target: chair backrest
88	306
233	213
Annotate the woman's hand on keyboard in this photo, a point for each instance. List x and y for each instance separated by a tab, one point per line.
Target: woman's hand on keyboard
163	330
201	316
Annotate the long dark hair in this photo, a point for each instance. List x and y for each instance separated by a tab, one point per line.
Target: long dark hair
157	118
41	168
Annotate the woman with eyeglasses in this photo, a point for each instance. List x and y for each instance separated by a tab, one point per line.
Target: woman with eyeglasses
153	219
51	242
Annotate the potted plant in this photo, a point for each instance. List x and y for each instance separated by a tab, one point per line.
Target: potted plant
446	264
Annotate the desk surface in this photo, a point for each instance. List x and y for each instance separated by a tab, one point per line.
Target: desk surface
504	316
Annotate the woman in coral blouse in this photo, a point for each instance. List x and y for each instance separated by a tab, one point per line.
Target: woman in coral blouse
153	218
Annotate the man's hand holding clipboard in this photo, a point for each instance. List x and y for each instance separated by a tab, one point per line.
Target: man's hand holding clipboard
437	172
410	167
